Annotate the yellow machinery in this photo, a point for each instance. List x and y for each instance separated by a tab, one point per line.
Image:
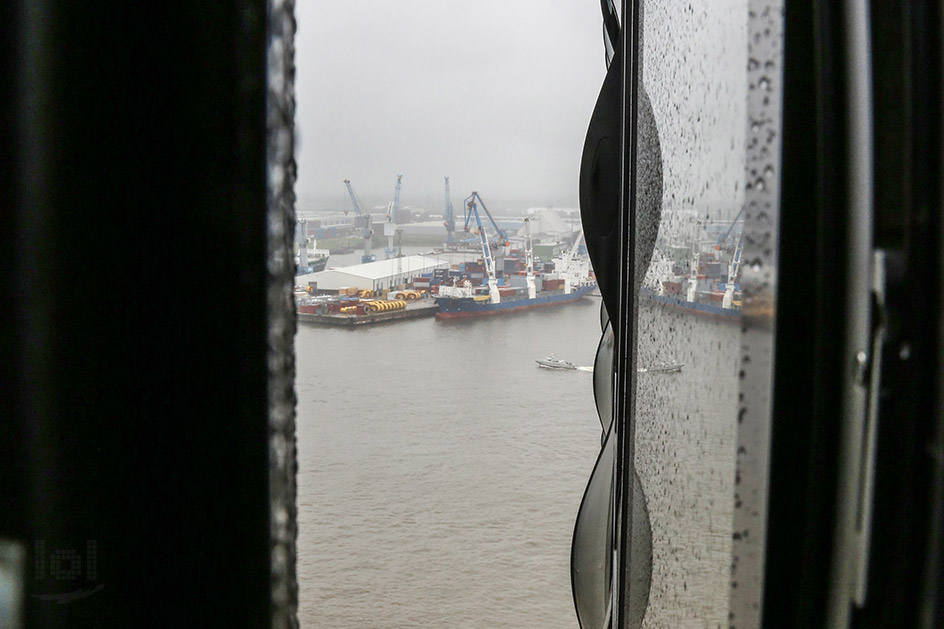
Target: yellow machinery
409	295
384	306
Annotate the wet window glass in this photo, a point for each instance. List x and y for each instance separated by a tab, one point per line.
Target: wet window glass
707	145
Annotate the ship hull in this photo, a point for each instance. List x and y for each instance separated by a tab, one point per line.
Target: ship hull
315	265
705	310
451	308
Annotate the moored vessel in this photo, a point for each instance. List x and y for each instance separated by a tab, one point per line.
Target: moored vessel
569	281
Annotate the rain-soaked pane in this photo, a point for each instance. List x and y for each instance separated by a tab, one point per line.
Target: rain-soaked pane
699	88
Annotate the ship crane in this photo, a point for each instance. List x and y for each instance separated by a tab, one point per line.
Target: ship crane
450	222
728	298
472	210
364	223
529	258
301	241
390	227
565	264
471	206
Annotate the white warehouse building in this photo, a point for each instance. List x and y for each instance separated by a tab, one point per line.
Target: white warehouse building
380	275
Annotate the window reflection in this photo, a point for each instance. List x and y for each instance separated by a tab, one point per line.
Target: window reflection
701	74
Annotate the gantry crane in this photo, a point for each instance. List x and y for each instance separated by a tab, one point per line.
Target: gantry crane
365	223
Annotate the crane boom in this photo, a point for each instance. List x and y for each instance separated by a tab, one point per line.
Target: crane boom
725	235
471	205
365	223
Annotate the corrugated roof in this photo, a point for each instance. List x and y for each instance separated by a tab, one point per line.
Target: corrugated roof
386	268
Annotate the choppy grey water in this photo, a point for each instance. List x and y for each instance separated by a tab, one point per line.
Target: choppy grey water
440	470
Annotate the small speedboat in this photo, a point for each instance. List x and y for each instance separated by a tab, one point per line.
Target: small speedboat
555	363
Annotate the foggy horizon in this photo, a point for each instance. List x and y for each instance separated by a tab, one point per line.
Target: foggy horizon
495	95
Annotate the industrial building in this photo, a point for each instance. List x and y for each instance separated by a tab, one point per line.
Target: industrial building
379	275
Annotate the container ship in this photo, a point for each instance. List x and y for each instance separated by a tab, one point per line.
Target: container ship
457	302
308	258
569	280
702	275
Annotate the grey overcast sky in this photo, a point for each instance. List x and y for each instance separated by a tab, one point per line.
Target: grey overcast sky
496	94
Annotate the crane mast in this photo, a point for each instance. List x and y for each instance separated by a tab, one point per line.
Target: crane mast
450	222
529	258
365	223
728	299
390	227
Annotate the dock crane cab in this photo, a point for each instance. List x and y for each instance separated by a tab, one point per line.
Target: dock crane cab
363	222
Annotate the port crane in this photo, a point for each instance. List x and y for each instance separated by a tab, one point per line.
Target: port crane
450	222
390	227
472	210
364	221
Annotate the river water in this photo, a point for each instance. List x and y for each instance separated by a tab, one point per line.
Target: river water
440	470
